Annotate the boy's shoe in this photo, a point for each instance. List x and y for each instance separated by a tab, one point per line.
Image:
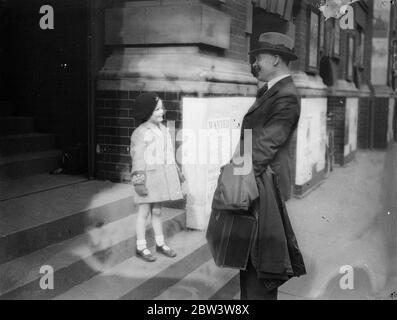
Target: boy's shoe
146	255
166	250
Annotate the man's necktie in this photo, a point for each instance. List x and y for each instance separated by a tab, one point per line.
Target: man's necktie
262	91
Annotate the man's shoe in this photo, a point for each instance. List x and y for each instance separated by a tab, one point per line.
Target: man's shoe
146	255
166	250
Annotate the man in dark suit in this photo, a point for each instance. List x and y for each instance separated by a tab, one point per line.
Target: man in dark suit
275	256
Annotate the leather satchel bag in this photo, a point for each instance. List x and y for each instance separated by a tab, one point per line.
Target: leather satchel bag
229	236
231	228
235	191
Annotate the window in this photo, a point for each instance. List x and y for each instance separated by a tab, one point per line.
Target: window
322	35
313	41
361	49
336	39
350	58
329	36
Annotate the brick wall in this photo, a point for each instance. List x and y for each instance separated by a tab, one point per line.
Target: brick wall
265	22
381	115
337	106
237	10
114	126
364	123
301	25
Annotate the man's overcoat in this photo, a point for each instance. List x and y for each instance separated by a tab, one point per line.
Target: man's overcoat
273	120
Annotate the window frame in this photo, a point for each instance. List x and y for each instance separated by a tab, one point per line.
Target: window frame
323	35
309	67
350	56
336	40
360	41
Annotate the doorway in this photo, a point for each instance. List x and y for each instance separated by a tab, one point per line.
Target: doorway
45	74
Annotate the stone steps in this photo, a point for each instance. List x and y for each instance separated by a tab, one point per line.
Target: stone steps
95	258
79	259
26	143
86	233
6	108
192	275
16	125
201	284
36	221
18	188
100	261
25	164
135	279
24	152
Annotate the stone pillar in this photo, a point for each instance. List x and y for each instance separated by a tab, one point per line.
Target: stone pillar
150	51
182	50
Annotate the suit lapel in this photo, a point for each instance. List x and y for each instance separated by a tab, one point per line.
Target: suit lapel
269	93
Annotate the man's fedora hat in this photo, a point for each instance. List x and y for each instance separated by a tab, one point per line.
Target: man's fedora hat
276	43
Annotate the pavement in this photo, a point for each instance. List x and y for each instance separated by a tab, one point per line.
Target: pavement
346	230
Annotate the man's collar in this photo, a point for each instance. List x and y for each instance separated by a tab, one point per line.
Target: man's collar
272	82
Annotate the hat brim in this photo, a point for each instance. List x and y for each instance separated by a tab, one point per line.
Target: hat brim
291	56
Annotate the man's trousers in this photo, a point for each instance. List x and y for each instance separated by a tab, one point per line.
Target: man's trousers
253	288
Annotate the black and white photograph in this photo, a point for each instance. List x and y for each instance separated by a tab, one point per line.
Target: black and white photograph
198	155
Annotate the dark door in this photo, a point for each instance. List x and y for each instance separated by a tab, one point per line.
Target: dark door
46	71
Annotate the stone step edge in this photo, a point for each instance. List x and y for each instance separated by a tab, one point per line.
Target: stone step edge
135	279
15	118
25	157
229	291
70	222
61	229
106	185
200	284
44	189
31	135
15	145
61	256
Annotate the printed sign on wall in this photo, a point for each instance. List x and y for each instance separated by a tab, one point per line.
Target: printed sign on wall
351	126
311	139
211	131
